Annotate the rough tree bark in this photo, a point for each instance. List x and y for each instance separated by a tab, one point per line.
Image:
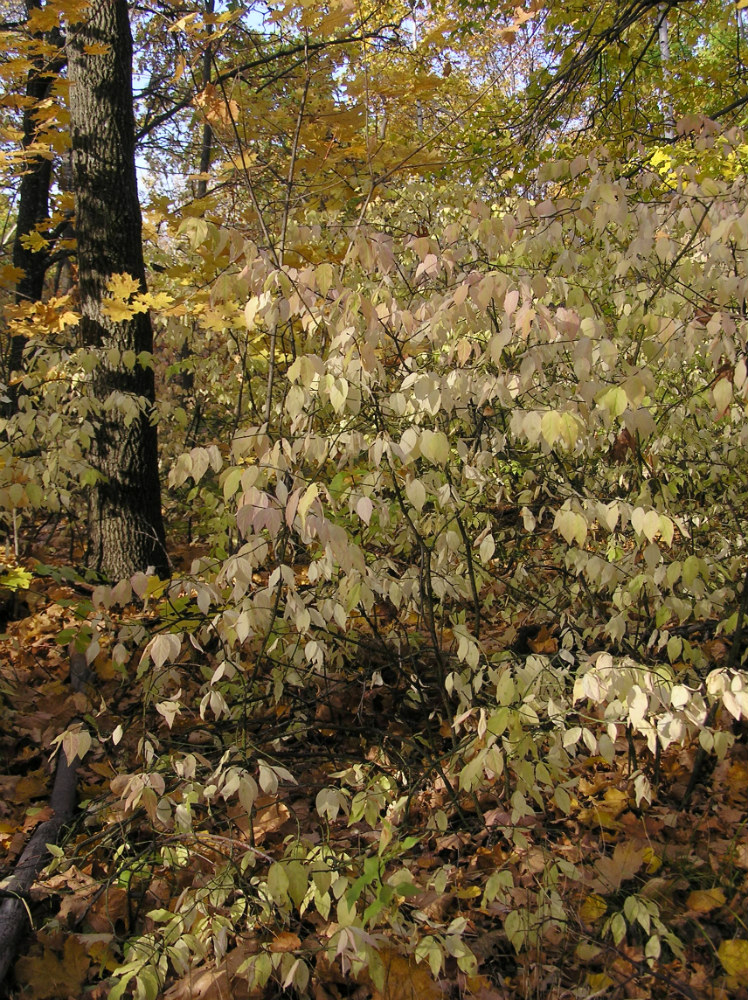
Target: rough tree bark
33	194
126	532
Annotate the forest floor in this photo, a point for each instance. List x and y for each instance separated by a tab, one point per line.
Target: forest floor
691	861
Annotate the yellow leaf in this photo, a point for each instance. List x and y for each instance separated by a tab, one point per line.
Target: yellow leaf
705	900
652	861
470	892
734	958
118	311
599	982
593	908
67	319
616	800
43	19
123	285
34	242
155	300
9	274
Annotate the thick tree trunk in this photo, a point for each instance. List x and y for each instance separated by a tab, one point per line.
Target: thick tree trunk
126	531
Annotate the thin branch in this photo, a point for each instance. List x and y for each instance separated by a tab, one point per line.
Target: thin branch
292	164
251	64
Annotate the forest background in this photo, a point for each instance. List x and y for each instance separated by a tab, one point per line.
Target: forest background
373	475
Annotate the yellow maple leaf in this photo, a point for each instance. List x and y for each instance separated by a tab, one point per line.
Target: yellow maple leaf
43	19
122	286
9	274
734	958
67	318
60	141
117	310
155	300
34	242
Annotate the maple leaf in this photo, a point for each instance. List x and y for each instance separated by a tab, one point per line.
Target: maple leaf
43	18
157	300
614	871
54	975
9	274
117	310
34	242
122	286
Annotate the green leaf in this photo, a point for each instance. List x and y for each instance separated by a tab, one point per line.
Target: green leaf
615	401
16	578
278	883
296	875
434	446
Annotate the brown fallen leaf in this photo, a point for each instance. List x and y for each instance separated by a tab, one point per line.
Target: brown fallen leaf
110	912
614	871
269	819
36	816
705	900
285	941
405	980
544	642
32	786
52	975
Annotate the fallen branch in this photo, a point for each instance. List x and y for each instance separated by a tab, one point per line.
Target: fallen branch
14	911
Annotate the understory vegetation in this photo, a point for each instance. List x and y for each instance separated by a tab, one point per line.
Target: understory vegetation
444	695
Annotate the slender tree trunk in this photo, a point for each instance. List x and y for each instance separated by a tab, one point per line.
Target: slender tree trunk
33	204
667	101
414	45
126	532
206	147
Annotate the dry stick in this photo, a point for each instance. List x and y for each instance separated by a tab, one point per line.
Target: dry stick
14	911
732	662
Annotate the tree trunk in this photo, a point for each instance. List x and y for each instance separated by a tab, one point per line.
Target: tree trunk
667	100
126	532
33	202
206	146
